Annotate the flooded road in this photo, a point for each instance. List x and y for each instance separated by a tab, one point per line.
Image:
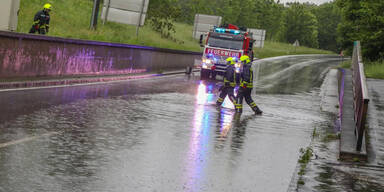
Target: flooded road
325	173
163	133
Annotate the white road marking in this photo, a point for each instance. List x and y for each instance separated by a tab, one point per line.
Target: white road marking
3	145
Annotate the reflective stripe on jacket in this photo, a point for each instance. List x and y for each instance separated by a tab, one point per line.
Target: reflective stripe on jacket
42	19
229	76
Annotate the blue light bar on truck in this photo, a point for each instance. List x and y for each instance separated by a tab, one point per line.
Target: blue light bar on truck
220	30
223	30
235	32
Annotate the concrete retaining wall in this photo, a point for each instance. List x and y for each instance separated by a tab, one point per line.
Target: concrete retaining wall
25	55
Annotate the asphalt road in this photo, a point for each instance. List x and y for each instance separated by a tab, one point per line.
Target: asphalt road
162	133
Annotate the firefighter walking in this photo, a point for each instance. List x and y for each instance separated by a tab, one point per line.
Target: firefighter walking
41	20
246	85
229	83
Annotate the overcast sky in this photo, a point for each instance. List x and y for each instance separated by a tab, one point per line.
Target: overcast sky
318	2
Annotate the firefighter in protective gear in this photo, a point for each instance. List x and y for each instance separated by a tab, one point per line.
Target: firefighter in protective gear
229	83
41	20
246	85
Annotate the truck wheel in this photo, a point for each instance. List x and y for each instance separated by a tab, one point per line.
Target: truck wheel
213	75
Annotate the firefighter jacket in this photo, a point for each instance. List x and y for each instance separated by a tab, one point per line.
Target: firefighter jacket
41	20
246	80
229	76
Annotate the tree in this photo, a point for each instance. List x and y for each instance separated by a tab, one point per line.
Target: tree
328	16
364	21
268	15
162	14
299	24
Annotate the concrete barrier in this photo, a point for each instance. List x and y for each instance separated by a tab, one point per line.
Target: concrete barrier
26	55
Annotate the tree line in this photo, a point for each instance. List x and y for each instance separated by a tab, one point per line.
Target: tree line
331	26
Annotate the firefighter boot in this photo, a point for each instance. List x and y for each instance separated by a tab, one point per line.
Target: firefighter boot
219	102
257	110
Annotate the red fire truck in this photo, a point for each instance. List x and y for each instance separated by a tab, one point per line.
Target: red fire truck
223	42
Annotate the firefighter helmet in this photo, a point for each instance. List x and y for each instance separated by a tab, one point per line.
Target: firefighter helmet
230	60
245	58
48	6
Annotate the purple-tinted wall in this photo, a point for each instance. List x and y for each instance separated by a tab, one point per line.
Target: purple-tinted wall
25	55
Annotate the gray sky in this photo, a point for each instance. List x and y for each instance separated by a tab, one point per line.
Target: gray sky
318	2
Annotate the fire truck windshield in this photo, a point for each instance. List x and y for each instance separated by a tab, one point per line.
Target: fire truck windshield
225	43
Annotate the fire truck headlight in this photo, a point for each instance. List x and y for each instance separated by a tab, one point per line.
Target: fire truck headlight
237	70
205	66
208	61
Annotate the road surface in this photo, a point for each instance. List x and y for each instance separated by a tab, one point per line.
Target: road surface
162	133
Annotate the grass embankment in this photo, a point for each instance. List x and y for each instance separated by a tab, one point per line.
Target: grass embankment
372	69
71	19
273	49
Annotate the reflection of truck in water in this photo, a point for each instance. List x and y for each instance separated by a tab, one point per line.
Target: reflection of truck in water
221	43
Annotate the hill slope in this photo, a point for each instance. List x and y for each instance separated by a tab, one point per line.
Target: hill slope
71	19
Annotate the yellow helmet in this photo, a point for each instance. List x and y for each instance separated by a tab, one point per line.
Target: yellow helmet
48	6
230	60
245	58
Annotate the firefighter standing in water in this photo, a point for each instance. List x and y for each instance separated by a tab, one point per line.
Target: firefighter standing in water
41	20
246	85
229	83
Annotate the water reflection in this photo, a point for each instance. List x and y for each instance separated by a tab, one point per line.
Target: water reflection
205	93
198	144
239	131
225	122
293	77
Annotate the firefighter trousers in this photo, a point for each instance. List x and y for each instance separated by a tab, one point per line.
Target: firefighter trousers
36	28
227	90
245	93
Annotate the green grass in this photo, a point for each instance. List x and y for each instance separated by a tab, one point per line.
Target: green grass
330	137
374	69
305	157
71	19
346	64
273	49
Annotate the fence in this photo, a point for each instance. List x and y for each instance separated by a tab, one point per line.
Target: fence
360	94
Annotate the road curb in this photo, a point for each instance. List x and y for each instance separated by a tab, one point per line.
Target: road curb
81	80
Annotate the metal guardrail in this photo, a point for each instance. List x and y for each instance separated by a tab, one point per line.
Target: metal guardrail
360	94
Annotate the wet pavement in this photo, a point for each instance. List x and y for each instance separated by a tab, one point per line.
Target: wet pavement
164	134
376	121
326	173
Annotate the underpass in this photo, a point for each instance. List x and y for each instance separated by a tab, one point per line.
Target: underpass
162	133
